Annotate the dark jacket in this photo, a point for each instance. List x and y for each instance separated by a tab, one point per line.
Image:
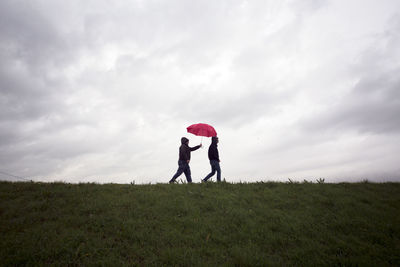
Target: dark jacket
184	149
213	150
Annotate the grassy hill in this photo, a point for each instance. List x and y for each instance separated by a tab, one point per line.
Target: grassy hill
200	224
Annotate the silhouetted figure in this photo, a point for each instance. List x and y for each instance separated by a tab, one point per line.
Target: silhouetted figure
184	159
213	156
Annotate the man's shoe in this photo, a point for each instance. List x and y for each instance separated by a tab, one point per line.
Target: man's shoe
203	181
171	182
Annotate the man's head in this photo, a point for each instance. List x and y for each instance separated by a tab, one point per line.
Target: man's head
184	140
214	139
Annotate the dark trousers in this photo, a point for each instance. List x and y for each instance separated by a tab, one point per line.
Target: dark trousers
214	168
183	168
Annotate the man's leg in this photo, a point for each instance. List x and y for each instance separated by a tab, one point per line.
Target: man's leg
211	173
218	169
188	175
178	172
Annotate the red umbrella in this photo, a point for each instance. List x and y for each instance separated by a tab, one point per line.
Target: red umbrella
202	129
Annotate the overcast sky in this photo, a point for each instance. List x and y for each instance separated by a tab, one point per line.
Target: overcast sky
102	91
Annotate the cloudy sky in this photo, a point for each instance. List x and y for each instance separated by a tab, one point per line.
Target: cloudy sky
102	91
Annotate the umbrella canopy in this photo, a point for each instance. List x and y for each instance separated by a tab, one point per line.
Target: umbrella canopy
202	129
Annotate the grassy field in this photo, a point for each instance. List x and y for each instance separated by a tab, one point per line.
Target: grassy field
258	224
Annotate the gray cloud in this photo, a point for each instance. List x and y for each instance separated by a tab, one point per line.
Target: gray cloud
232	110
30	40
99	92
372	105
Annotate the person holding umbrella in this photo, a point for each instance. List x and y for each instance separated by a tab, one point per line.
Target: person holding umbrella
184	159
213	156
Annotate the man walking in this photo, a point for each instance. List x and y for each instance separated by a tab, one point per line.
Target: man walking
184	159
213	156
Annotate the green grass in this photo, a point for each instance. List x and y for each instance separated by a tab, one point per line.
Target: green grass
258	224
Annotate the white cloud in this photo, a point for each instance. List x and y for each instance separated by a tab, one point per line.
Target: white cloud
101	91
